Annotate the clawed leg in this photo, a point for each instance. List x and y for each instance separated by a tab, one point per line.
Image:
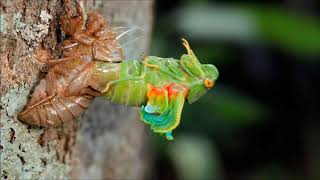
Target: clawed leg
69	44
44	57
72	25
95	26
56	61
51	88
38	103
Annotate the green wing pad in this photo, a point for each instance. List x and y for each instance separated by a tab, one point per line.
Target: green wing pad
163	110
168	66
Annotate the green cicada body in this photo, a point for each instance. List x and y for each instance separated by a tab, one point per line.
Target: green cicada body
158	85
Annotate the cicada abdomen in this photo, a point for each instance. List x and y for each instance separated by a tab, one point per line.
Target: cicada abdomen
44	110
60	97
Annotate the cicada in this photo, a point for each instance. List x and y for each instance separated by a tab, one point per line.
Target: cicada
93	66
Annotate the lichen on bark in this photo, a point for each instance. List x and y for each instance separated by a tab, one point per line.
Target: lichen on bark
26	27
22	157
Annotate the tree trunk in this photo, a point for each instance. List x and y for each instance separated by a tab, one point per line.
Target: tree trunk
111	141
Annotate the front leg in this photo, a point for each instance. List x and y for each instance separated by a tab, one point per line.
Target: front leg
95	26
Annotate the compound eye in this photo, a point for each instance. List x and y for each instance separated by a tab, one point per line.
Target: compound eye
208	83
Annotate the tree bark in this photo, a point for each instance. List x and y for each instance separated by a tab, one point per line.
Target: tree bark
111	142
27	27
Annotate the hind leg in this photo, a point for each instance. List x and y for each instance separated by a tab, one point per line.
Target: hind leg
45	91
43	56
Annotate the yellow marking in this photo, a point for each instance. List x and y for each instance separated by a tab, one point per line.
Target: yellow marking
117	81
106	88
144	62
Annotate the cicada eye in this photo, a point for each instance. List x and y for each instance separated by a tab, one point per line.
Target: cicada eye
208	83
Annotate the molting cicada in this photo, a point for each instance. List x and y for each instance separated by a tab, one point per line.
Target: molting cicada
93	65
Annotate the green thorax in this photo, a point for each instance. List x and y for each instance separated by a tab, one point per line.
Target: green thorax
129	80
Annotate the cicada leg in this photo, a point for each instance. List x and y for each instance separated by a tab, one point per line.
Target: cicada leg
108	85
95	24
56	61
51	88
43	56
29	108
47	89
145	63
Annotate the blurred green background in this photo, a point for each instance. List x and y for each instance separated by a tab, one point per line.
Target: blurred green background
261	121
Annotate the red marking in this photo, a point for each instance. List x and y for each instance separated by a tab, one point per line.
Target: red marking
172	89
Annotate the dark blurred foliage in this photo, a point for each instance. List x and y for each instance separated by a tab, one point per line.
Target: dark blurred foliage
261	120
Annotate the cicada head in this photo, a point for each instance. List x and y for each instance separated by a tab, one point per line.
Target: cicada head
203	75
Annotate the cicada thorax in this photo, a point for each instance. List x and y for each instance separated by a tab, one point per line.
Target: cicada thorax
126	82
133	78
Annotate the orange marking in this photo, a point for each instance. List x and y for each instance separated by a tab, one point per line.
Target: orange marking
156	91
174	89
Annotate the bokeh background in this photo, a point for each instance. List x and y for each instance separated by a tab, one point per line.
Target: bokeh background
261	121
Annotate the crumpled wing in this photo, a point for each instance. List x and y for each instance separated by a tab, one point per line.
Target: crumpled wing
162	120
157	100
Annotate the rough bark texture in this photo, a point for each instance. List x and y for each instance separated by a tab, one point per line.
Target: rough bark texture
111	141
27	26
